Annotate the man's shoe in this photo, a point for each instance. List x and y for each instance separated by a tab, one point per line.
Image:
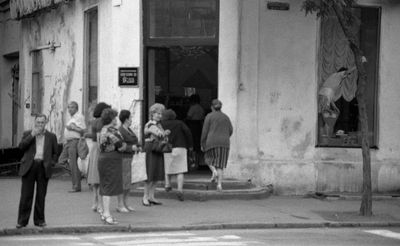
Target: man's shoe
42	224
19	226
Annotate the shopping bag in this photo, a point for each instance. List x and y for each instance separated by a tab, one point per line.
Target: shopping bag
138	167
83	166
83	148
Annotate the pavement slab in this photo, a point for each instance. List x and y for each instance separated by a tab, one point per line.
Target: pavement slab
71	213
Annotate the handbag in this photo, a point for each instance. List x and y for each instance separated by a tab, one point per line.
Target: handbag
83	148
160	145
138	167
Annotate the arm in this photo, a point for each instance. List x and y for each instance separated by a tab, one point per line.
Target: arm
26	141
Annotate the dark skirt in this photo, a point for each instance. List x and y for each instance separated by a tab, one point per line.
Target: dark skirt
154	166
217	157
110	173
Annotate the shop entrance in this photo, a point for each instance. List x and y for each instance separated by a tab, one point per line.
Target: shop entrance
181	58
179	77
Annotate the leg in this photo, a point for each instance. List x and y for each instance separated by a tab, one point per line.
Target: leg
125	200
121	207
41	191
25	203
167	183
73	164
220	174
179	179
146	189
106	206
152	189
96	201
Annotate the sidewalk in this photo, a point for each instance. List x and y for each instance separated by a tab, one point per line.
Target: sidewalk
70	212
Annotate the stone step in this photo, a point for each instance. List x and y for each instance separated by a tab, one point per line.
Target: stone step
205	195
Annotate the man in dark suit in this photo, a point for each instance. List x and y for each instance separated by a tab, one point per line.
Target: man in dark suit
40	154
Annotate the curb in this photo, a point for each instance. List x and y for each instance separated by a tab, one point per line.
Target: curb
221	226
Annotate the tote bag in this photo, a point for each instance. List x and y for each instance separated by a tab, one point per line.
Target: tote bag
138	165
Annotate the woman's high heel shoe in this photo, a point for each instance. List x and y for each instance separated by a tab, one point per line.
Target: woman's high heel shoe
155	202
146	203
110	220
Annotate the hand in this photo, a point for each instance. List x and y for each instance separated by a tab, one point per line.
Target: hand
35	131
134	148
122	148
363	59
167	132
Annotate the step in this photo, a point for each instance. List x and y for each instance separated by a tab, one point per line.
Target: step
205	195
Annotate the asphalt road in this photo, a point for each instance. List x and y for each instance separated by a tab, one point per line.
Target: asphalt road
309	237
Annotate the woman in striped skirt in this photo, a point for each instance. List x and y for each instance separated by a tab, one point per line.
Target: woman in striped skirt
215	142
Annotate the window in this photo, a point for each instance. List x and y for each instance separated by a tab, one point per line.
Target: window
182	19
37	82
91	61
341	128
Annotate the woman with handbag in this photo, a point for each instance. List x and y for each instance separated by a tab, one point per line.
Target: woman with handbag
154	134
181	140
132	146
112	146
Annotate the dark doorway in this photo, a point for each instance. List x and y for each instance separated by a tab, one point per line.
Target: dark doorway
175	74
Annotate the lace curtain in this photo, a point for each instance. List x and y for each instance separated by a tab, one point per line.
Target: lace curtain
336	53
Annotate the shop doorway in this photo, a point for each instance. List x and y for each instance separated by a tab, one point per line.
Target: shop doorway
177	76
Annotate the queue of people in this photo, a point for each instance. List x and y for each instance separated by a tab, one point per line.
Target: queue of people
109	165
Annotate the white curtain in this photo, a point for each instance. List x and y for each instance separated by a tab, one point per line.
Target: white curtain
336	53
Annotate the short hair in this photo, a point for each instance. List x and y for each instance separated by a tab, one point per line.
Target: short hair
99	108
124	115
216	104
342	69
169	114
108	115
75	104
41	116
157	107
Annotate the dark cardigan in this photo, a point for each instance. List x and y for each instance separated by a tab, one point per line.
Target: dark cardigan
180	136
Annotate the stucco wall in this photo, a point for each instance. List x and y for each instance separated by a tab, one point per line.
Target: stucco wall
276	115
9	43
118	46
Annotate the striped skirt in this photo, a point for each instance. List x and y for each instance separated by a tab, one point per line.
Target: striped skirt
217	157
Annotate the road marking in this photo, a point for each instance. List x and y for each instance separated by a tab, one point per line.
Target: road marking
198	244
144	235
230	237
43	238
385	233
164	240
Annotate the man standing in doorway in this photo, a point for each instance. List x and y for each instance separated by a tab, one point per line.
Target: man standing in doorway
73	131
40	154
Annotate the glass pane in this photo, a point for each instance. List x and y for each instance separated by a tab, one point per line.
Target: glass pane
183	18
340	127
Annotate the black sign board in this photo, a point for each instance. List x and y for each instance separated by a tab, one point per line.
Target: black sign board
277	6
128	76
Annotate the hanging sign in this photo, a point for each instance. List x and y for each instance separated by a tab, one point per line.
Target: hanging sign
128	76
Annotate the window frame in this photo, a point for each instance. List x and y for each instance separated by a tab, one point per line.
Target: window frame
374	143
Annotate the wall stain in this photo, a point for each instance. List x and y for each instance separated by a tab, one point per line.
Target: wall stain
300	149
274	96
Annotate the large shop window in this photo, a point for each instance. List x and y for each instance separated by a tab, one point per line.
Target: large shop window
341	128
182	19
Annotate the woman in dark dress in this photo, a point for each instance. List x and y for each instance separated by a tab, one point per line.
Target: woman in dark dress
110	162
154	160
93	171
132	146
